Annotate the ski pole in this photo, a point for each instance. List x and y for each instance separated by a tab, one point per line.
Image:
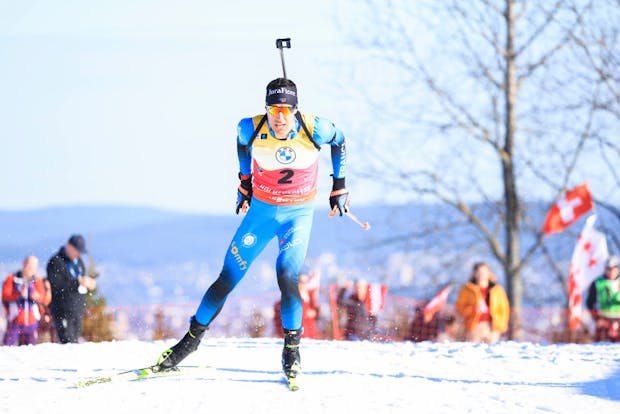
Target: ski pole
281	44
365	225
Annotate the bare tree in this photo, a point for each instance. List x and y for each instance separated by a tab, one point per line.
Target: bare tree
596	59
488	108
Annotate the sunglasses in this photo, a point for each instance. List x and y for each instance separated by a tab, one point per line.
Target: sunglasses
284	110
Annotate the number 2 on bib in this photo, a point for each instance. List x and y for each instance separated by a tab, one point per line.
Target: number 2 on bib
286	177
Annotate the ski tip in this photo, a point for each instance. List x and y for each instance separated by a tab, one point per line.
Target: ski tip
89	382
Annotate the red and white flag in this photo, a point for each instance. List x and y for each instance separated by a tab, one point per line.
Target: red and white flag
568	209
437	303
588	262
314	281
375	298
312	285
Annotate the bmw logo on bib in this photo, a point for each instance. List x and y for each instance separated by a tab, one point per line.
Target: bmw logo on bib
285	155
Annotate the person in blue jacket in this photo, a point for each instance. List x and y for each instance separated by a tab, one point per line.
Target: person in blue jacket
278	156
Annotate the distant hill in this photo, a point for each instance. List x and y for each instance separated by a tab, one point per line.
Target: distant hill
148	250
148	255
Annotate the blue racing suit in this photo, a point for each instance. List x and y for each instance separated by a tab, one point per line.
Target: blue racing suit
284	184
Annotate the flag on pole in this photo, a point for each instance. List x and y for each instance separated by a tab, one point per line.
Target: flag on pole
311	284
314	280
587	263
568	209
437	303
375	298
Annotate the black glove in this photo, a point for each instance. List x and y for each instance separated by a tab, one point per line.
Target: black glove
339	197
244	193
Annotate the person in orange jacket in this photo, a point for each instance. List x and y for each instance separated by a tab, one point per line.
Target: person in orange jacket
23	295
483	305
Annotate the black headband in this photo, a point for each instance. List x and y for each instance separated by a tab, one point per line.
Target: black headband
281	95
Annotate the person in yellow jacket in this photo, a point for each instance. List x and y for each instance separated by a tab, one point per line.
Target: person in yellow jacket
483	305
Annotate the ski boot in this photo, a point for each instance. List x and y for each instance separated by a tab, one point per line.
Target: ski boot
171	357
291	361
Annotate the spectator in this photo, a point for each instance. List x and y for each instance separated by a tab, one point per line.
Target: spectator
483	305
47	331
310	310
425	325
23	293
309	307
451	328
603	302
70	284
360	323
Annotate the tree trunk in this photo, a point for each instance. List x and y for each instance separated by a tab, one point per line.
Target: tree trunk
513	274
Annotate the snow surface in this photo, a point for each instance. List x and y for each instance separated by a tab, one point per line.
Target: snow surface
339	376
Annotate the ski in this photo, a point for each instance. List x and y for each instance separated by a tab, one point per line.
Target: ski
291	380
140	374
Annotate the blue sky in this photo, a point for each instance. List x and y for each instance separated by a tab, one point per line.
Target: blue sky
117	102
137	102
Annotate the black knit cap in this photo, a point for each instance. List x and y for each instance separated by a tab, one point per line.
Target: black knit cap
281	91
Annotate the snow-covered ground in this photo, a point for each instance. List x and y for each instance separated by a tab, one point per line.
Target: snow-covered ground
342	377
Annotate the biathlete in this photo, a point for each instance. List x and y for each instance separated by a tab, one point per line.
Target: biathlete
278	162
